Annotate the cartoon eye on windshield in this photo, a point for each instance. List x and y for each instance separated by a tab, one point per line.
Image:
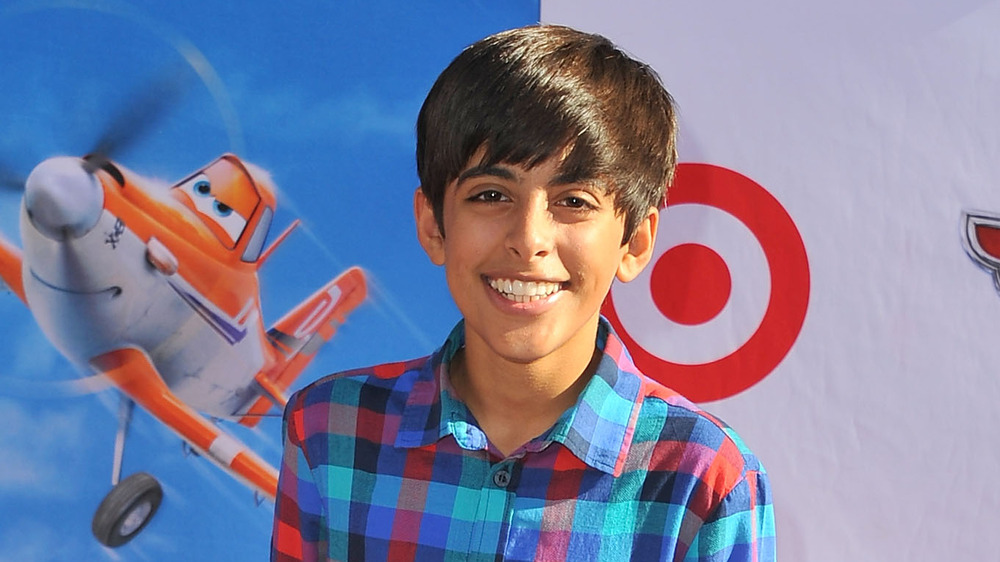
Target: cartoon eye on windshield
213	211
221	209
201	186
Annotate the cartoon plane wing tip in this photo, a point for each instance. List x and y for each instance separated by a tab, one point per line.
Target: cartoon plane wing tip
321	312
10	268
300	333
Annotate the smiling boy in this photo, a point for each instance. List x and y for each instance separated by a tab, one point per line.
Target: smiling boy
543	154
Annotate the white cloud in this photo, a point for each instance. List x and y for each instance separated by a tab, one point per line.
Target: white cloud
32	540
299	115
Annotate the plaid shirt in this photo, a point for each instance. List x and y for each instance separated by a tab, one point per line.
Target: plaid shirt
386	464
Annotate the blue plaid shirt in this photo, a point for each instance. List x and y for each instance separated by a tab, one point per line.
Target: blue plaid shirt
386	464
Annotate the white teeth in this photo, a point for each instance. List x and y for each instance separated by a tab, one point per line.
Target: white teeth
524	291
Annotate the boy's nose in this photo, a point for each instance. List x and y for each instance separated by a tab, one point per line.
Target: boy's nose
531	234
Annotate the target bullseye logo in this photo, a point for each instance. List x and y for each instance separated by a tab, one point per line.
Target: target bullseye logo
714	295
726	292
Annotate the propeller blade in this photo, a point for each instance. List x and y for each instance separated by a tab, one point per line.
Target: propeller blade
10	182
69	388
9	179
139	114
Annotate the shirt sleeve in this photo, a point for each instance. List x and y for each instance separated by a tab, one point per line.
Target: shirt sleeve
299	530
741	529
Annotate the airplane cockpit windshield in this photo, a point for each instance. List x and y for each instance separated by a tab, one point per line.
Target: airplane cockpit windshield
224	197
256	243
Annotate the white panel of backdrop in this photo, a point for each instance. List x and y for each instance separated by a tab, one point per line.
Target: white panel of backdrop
874	124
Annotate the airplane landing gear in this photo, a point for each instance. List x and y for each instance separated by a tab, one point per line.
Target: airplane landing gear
127	508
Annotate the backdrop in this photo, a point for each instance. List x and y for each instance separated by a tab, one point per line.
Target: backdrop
833	216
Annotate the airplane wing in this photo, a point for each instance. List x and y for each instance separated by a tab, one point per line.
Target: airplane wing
10	268
133	373
300	333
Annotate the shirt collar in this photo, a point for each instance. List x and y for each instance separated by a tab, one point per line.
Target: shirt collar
597	429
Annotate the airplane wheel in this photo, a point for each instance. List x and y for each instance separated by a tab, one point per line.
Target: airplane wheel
126	509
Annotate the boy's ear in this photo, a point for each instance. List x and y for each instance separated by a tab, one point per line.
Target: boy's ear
428	232
639	250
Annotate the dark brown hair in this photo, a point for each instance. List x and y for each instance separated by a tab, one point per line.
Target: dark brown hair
527	94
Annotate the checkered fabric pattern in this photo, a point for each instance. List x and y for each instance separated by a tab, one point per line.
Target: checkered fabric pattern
385	464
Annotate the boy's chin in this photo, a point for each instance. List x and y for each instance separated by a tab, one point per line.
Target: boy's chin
539	342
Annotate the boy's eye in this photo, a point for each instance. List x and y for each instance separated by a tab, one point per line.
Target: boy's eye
574	202
489	196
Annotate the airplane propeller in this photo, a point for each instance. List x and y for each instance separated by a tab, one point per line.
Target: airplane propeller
137	116
10	180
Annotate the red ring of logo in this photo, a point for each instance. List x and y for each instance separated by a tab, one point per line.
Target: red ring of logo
774	229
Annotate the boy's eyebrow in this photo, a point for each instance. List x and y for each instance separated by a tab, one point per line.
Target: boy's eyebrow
506	173
565	179
478	171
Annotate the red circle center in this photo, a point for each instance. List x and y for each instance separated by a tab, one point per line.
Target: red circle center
690	284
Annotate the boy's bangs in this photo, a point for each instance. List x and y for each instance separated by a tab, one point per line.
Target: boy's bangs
537	133
577	162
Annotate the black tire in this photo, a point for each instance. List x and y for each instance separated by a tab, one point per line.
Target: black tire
126	509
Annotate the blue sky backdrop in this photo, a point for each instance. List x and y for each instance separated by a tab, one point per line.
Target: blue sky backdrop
324	95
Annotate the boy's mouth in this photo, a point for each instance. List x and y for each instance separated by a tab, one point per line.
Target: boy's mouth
524	291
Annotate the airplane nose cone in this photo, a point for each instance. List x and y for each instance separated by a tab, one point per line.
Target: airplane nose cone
63	201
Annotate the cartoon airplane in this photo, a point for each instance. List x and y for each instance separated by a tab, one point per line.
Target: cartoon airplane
156	291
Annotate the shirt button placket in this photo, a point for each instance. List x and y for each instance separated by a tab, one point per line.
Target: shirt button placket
501	477
494	512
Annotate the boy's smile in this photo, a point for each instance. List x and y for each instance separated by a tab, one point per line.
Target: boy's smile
524	291
529	259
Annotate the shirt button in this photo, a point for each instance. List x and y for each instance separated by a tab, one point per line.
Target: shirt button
501	478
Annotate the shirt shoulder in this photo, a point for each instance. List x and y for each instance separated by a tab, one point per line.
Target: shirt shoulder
336	399
675	436
324	389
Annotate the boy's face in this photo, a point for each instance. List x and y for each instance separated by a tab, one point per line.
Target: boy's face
529	259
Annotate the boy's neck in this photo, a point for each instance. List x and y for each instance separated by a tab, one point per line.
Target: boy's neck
516	402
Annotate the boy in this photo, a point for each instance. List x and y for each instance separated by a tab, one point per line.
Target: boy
543	155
